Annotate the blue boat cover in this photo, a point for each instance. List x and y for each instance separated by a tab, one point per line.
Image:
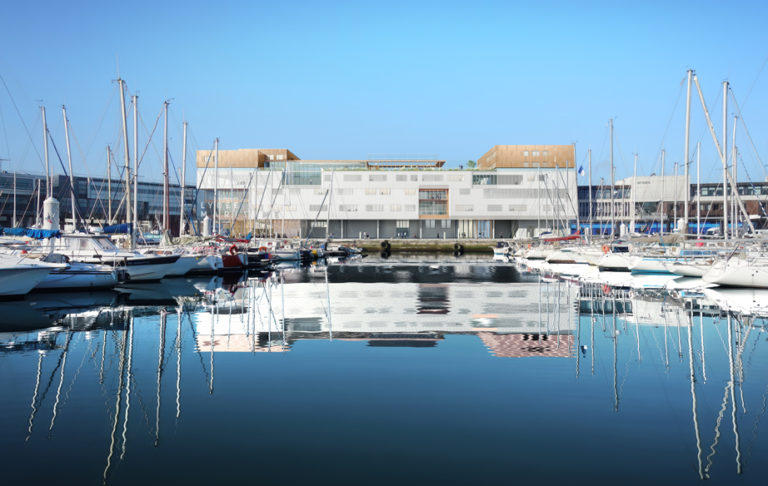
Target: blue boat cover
124	228
38	234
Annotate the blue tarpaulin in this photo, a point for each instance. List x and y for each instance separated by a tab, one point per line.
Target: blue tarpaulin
36	233
124	228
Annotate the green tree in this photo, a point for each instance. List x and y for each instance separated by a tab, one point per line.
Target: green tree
471	164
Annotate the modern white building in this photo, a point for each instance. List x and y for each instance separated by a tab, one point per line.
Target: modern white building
273	192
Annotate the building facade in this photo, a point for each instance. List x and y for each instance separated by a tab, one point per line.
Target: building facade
274	192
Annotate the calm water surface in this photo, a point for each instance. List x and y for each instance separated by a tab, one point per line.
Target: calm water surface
439	371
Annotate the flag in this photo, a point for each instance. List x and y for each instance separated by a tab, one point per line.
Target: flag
581	171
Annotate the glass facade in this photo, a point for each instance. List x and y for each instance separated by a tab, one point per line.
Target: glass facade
433	202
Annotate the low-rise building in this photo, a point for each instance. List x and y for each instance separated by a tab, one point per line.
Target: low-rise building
272	191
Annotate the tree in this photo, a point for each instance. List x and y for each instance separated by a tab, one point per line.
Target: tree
471	164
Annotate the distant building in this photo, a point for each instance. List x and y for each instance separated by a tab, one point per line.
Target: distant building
92	200
649	194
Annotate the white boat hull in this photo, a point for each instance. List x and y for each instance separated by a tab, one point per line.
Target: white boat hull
19	281
80	276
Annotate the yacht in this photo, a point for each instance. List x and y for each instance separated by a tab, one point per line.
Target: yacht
99	249
20	274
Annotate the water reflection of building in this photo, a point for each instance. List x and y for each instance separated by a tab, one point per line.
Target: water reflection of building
512	319
527	345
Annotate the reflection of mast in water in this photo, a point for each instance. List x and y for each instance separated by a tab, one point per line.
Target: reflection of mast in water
666	344
61	380
178	360
615	357
118	398
160	359
33	405
693	397
328	297
733	398
214	323
703	355
129	378
578	329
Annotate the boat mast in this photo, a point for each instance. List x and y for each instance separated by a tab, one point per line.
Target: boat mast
109	185
135	170
613	209
215	181
127	191
183	179
589	165
674	208
166	195
687	155
71	175
48	183
734	158
634	187
663	195
725	159
698	189
721	154
14	198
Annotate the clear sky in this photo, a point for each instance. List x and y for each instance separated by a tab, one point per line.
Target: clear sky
350	80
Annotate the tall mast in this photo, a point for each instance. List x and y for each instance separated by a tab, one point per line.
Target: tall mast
734	219
14	198
634	198
663	195
674	208
127	191
589	165
215	180
687	155
48	183
71	175
109	185
725	159
613	209
135	170
698	188
183	179
166	195
721	154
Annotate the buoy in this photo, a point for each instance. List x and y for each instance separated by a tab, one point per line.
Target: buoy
233	250
606	289
606	249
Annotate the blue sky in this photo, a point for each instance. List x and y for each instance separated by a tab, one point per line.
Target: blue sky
348	80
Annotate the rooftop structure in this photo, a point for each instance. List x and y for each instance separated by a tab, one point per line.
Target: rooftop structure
528	156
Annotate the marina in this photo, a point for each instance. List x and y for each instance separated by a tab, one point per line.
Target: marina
399	243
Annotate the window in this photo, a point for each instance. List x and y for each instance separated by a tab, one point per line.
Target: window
535	153
374	207
525	153
400	177
395	208
377	177
429	224
445	223
482	179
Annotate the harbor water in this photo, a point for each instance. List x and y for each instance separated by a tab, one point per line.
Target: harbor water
412	370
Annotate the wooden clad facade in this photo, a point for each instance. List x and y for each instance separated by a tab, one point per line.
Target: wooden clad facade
528	156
